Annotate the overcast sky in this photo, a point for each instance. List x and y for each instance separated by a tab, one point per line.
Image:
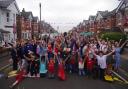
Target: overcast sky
66	13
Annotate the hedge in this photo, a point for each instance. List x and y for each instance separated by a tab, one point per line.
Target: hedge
113	36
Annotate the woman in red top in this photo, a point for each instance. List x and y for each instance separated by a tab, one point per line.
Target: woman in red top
89	61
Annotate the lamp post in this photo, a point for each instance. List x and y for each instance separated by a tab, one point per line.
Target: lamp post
40	21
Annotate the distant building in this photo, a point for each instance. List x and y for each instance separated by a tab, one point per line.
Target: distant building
35	27
8	11
122	15
24	25
91	23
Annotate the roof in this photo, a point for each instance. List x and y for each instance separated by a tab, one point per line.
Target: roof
91	17
26	14
111	13
120	4
5	3
35	19
85	22
103	13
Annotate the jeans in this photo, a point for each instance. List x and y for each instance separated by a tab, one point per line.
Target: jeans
81	72
101	73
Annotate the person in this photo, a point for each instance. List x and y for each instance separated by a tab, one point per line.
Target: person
51	68
37	67
14	56
43	69
101	59
61	70
50	50
117	56
81	63
72	64
20	76
32	66
89	61
30	60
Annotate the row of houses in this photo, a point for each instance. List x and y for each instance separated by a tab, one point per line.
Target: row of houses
117	18
19	25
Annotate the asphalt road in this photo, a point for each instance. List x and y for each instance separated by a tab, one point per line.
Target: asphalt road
73	82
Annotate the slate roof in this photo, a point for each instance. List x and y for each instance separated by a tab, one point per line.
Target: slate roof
35	19
103	13
26	14
5	3
91	17
111	13
120	4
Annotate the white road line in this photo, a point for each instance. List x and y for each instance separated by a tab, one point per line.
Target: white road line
120	77
4	67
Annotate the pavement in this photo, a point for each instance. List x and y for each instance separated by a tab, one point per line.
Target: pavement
4	62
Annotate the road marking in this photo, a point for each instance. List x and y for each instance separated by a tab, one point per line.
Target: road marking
120	77
4	67
124	72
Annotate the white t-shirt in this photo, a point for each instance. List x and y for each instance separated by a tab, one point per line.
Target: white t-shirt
84	49
81	65
102	61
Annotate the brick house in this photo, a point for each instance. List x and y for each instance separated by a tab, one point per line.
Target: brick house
92	23
109	20
27	25
27	30
101	21
122	15
35	27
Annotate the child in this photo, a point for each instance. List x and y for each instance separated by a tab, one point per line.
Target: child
61	71
50	50
51	68
72	64
36	67
19	77
43	69
81	67
32	67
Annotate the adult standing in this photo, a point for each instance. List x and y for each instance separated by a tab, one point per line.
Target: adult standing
101	59
14	56
118	54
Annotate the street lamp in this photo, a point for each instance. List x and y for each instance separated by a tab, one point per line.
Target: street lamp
40	21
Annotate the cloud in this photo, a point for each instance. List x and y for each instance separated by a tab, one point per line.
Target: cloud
67	11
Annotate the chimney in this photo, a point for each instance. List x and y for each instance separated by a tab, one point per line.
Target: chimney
23	10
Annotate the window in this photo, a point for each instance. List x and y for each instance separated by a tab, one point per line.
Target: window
7	15
14	18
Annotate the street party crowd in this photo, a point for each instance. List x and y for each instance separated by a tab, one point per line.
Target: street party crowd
67	53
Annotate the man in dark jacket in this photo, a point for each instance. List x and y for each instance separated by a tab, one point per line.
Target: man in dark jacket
14	57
